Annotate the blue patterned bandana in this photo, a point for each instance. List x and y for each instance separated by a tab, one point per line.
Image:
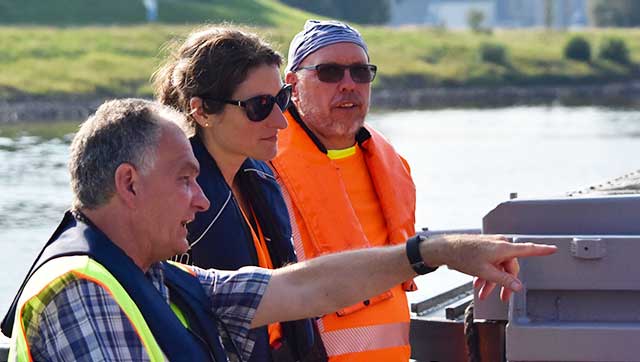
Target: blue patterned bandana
318	34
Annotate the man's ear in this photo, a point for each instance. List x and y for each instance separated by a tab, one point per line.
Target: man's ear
196	106
127	181
292	79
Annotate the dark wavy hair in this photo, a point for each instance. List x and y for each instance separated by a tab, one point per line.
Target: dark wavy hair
211	63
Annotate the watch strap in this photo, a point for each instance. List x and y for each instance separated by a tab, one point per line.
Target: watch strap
414	256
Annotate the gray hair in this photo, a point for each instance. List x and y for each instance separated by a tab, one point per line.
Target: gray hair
121	131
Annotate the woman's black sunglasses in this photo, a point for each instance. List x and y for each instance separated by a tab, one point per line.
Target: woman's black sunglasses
333	73
259	107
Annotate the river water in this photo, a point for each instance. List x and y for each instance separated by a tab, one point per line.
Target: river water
464	162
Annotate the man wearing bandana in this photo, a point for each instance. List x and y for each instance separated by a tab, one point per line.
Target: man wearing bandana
345	185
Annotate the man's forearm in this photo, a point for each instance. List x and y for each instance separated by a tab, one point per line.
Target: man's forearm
330	282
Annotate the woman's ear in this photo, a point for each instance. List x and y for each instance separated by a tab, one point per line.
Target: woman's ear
196	106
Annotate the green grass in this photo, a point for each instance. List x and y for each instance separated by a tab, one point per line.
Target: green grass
104	48
122	12
46	131
95	60
421	57
58	62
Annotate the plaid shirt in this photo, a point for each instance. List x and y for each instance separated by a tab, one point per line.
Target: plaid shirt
82	322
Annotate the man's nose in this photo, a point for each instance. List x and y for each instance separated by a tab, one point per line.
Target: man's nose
200	201
347	82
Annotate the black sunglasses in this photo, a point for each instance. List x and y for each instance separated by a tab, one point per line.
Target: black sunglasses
259	107
333	73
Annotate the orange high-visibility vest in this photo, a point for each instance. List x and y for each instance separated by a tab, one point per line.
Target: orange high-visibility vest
264	261
324	222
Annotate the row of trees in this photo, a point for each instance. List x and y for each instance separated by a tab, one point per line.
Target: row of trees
577	48
611	49
604	13
622	13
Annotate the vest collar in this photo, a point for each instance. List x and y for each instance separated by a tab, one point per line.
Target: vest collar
75	237
318	192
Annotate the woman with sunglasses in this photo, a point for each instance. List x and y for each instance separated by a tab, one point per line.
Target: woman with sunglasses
227	81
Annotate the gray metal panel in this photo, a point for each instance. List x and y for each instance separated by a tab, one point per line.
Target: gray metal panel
580	304
616	269
608	342
604	215
492	308
607	215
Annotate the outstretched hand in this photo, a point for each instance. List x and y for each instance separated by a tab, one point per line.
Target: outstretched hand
490	258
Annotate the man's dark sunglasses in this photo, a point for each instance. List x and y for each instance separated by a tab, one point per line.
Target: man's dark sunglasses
259	107
333	73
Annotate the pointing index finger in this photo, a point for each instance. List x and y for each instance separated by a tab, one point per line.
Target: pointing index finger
518	250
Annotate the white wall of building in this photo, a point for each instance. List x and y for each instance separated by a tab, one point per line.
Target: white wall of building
500	13
455	14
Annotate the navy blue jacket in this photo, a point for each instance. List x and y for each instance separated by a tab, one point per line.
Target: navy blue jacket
200	343
221	238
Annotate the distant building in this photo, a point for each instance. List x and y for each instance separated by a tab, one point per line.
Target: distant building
532	13
448	13
152	9
497	13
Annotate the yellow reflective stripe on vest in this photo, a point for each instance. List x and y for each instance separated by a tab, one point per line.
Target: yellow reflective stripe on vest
179	314
18	350
185	268
174	307
82	267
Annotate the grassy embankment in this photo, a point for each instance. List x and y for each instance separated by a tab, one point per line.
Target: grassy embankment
44	131
89	61
62	54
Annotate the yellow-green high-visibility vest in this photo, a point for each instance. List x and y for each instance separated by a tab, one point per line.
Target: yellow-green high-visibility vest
51	277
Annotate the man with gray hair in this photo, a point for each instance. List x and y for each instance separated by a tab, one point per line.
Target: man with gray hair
101	290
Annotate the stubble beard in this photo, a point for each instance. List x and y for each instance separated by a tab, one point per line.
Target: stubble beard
326	126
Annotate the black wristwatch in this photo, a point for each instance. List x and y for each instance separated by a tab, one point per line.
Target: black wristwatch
415	259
